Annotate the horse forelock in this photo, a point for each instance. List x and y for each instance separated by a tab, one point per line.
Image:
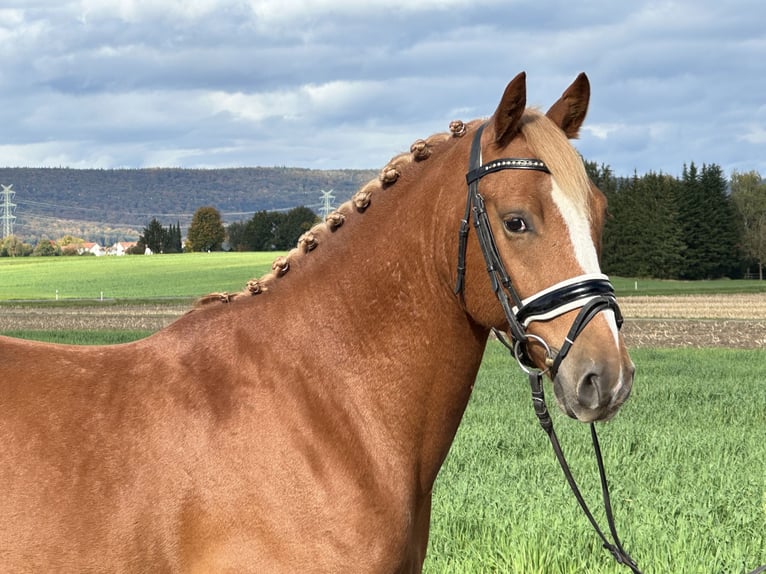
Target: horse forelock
549	144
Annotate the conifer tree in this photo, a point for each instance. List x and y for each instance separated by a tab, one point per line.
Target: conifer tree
707	219
154	237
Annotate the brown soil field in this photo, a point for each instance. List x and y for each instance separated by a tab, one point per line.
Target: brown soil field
737	321
679	321
92	317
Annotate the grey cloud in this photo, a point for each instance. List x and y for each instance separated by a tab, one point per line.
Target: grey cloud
349	84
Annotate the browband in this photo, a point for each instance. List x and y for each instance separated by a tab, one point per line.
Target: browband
505	163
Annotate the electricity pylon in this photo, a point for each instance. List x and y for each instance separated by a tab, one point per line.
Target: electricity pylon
6	209
327	206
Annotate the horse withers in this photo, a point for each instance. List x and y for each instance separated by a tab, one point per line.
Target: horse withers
299	426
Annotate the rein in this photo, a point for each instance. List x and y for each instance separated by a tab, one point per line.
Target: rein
591	293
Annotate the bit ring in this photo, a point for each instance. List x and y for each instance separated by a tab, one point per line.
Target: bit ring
540	341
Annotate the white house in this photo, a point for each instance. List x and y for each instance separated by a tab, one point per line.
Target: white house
90	247
120	248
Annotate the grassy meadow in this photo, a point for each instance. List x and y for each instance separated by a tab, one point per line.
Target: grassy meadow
185	275
190	275
686	457
686	461
79	336
625	286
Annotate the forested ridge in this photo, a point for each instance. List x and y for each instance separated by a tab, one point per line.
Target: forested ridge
110	204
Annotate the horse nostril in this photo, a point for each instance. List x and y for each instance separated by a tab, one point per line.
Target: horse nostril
588	391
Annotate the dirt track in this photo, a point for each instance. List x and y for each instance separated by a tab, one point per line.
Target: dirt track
687	321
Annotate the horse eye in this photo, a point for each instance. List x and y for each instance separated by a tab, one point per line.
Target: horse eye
516	225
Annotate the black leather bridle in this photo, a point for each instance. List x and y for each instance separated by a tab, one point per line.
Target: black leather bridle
591	293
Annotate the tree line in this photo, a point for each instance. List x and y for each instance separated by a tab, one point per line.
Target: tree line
159	239
271	230
697	226
265	231
114	204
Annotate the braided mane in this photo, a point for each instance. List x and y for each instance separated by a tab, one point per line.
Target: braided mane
420	151
546	141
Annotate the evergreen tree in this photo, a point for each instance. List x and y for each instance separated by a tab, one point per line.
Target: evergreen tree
621	252
602	177
661	242
154	237
708	221
172	243
723	242
691	212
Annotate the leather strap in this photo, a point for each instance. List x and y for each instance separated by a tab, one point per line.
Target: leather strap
543	416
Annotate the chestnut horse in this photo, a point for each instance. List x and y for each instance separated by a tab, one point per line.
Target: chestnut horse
300	426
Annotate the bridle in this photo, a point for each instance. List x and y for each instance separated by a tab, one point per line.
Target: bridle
590	293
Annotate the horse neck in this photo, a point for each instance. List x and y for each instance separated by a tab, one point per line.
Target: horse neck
379	299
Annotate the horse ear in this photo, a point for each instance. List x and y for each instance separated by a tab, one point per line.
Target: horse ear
569	112
510	110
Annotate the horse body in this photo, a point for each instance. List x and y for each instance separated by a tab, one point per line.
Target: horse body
301	429
297	426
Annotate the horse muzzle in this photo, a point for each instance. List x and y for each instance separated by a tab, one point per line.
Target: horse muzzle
589	391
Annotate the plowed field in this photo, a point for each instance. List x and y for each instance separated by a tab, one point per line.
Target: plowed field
682	321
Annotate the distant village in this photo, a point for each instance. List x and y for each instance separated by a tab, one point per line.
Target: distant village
119	248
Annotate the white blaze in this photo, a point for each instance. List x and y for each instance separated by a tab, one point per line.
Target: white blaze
579	230
578	225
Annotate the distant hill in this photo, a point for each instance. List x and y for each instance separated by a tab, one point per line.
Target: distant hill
115	204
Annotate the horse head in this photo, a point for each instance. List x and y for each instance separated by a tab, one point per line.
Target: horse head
538	221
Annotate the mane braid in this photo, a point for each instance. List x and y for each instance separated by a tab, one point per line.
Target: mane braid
420	151
549	144
545	140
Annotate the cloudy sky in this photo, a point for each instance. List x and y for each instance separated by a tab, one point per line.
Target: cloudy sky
350	83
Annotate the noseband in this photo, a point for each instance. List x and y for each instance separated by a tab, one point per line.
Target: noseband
591	293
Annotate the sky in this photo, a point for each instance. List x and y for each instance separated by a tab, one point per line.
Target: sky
334	84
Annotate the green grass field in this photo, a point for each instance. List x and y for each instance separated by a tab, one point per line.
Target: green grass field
635	286
79	337
686	459
191	275
186	275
